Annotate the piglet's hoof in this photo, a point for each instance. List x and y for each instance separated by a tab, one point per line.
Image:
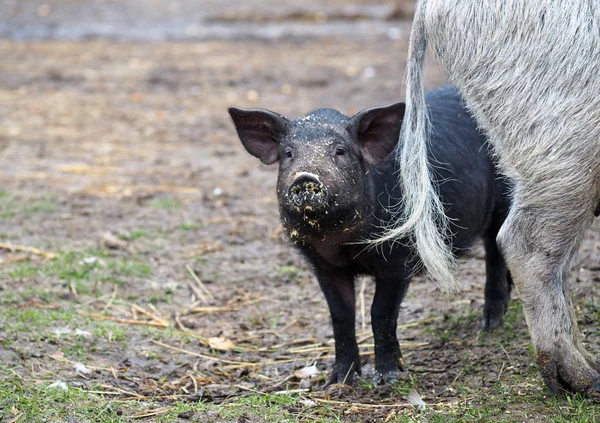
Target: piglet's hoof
491	323
388	369
493	315
387	378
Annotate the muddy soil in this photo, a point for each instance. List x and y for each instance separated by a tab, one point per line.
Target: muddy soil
117	151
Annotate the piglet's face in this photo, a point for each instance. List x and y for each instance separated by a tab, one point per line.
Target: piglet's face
324	159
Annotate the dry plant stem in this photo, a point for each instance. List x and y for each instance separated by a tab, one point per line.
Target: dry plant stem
151	413
122	391
152	316
27	249
111	300
208	310
199	282
126	321
361	297
202	294
16	418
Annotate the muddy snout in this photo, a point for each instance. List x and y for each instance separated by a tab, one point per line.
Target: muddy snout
307	190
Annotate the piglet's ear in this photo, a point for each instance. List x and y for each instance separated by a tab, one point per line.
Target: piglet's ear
377	130
260	131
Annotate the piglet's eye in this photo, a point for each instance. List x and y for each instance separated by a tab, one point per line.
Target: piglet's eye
288	153
340	151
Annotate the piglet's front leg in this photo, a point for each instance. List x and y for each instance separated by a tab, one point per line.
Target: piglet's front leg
338	286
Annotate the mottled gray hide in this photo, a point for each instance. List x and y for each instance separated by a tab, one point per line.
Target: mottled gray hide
529	71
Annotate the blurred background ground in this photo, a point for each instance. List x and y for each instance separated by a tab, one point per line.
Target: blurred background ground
143	272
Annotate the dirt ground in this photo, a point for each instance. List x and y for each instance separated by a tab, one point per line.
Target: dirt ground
157	261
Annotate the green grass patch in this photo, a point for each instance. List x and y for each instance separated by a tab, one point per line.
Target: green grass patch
133	235
164	203
27	329
10	297
11	206
33	320
44	403
38	322
189	226
81	267
290	273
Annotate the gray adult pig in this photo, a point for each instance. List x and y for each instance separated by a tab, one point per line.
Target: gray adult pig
529	71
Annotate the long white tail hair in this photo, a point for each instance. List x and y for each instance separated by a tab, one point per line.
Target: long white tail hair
424	220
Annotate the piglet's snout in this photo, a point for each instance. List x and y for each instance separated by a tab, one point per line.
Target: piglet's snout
307	189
